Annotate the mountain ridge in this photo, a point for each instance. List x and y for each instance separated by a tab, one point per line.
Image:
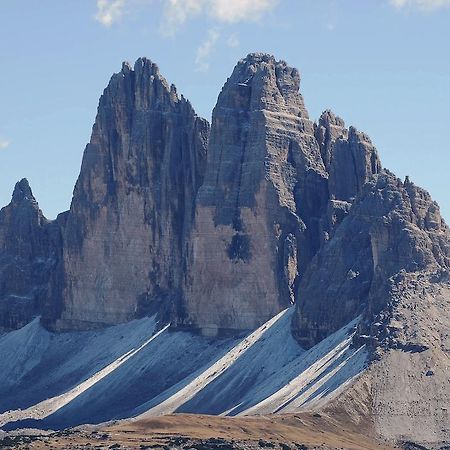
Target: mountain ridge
263	220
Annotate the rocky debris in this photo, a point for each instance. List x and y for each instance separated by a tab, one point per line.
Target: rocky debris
251	235
29	247
133	204
392	228
408	378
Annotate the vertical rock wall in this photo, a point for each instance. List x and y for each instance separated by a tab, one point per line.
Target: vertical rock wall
29	246
133	202
248	234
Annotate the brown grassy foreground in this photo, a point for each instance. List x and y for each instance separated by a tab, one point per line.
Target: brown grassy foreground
186	431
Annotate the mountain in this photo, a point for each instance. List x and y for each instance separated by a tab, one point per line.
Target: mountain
124	254
29	252
247	233
266	264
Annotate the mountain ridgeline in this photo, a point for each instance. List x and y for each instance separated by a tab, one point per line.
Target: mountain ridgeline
218	228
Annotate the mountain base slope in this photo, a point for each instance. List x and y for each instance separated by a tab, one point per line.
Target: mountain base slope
183	431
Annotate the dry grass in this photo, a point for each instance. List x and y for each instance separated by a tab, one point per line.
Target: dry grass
186	430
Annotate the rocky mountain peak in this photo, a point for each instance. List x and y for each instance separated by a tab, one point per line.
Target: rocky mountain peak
328	129
28	247
328	118
140	87
353	160
133	202
260	82
264	175
22	192
391	228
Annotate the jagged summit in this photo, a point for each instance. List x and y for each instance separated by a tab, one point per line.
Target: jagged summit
124	251
140	64
140	86
329	117
28	243
22	192
260	82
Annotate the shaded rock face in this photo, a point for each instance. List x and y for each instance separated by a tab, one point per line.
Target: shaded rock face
29	247
133	202
392	227
350	160
249	227
354	160
327	131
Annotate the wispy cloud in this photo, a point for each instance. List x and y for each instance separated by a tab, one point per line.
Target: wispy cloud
109	11
4	143
429	5
224	11
205	49
218	13
233	40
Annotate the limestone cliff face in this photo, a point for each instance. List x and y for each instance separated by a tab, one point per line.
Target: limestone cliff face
392	228
248	228
133	202
28	254
327	131
351	160
354	160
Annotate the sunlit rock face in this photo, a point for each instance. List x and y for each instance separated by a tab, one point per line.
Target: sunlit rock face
262	156
133	202
29	247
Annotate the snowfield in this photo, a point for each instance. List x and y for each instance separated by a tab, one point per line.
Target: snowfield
50	380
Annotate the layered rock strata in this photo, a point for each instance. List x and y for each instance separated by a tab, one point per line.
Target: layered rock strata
248	230
133	203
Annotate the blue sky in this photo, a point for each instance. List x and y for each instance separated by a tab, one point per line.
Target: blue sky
382	65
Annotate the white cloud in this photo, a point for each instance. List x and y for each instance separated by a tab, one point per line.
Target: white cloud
109	11
204	51
239	10
233	40
421	4
4	143
226	11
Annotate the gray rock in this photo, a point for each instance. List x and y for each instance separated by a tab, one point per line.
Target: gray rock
392	227
249	232
124	253
354	160
29	247
329	128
